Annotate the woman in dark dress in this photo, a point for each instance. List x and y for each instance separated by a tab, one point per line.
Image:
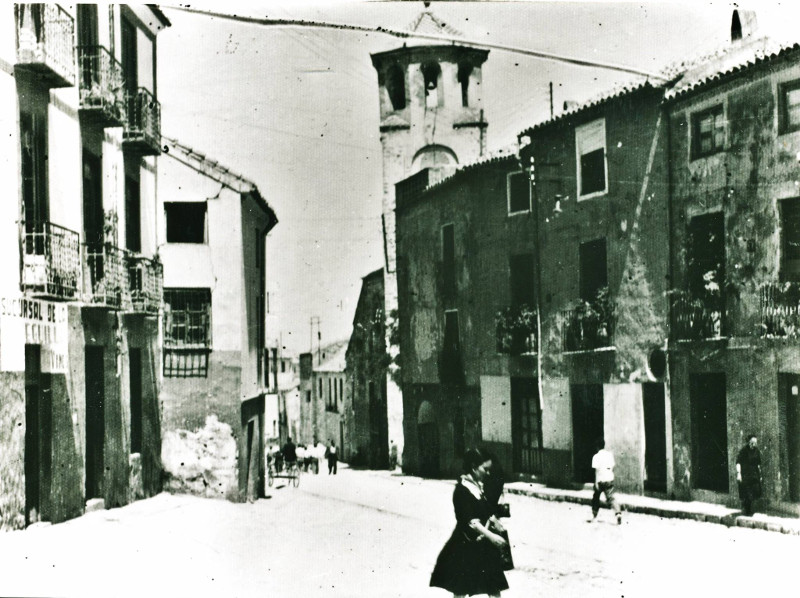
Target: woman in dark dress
470	562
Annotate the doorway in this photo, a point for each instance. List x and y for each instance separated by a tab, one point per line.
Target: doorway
427	441
38	435
587	427
709	431
95	421
135	367
655	437
526	419
789	422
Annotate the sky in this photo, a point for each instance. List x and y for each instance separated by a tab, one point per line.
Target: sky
295	110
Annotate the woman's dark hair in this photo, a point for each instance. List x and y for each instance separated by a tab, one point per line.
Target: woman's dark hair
473	458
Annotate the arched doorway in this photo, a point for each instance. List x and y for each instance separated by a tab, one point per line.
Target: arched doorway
427	441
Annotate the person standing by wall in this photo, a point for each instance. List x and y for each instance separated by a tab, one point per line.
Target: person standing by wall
332	457
603	465
748	474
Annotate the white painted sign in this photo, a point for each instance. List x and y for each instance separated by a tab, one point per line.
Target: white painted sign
25	320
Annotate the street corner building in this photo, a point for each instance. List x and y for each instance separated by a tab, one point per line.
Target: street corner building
215	364
628	272
80	280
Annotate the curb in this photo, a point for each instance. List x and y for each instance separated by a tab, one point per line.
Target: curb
790	527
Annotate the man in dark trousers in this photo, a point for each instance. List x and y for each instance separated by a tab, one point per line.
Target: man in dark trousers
748	474
332	458
289	453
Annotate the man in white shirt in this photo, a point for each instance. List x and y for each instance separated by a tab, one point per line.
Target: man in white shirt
603	465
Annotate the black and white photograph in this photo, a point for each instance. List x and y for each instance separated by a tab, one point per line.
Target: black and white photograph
400	299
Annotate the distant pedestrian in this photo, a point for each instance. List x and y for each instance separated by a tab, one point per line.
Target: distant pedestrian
748	474
300	451
470	562
317	453
289	452
332	457
603	465
392	456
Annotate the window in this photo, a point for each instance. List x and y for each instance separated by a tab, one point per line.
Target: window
449	260
33	133
708	132
133	214
332	403
789	106
452	343
590	146
431	72
396	87
187	318
186	221
518	189
593	269
464	72
522	267
308	396
790	239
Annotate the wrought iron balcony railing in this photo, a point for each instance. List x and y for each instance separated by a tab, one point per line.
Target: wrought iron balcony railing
51	263
515	329
102	94
45	43
146	283
780	309
142	132
698	317
107	280
587	328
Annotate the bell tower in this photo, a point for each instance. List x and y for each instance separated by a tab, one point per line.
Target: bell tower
431	116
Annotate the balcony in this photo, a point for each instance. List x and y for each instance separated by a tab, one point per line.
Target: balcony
102	96
590	326
107	279
698	317
142	134
146	284
515	329
779	306
45	42
51	264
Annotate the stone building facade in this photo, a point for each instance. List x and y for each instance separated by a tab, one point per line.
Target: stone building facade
80	282
323	393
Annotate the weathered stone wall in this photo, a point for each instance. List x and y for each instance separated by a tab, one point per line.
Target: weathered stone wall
12	455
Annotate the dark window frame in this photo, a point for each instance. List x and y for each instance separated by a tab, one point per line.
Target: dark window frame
790	256
592	168
697	119
178	231
187	323
784	122
523	180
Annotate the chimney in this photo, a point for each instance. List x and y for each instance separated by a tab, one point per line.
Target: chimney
743	25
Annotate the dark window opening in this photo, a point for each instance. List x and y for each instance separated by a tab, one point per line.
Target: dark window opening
522	289
464	72
431	72
133	215
396	87
790	239
187	318
186	222
593	269
449	260
789	106
593	172
93	215
706	256
33	129
708	132
519	193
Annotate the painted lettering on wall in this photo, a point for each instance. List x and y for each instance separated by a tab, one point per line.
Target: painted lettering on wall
25	320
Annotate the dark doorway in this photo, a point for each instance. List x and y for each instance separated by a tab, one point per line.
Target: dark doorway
38	435
709	431
789	420
135	365
655	437
526	428
428	441
378	424
95	421
587	427
593	268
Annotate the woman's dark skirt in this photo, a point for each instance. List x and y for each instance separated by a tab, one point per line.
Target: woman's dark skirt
469	567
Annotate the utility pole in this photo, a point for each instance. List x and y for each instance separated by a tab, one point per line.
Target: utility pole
551	99
315	321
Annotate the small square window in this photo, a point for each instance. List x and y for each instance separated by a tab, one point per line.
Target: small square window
789	106
590	146
708	132
519	193
186	221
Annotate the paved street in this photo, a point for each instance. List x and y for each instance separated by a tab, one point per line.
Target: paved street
372	534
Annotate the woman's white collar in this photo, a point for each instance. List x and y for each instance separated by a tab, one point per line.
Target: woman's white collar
475	488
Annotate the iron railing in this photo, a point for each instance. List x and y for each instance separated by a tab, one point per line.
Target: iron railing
698	317
107	280
102	94
142	132
45	42
515	330
586	329
146	283
780	309
51	264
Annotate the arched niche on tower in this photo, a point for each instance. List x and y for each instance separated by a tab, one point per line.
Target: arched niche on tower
395	83
436	157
